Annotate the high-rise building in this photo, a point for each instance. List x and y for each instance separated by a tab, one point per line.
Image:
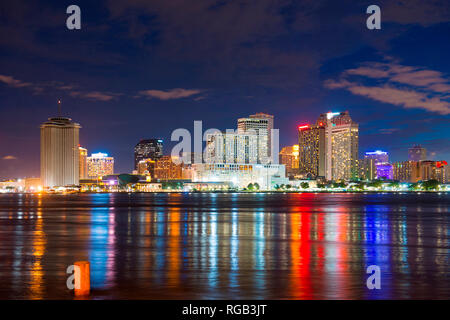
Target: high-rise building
100	165
433	170
405	171
59	152
378	156
385	171
147	149
417	153
289	156
367	169
262	125
341	145
312	148
166	169
146	167
231	148
83	162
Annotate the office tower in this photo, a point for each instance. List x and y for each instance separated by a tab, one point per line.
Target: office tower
289	156
59	152
147	149
166	169
367	169
378	156
262	125
312	148
341	145
83	163
231	148
417	153
99	165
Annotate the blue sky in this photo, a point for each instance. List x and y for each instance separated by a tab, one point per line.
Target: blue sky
141	69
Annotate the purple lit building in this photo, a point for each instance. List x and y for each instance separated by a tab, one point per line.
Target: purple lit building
378	156
385	171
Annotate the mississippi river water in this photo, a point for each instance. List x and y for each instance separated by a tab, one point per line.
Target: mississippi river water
226	246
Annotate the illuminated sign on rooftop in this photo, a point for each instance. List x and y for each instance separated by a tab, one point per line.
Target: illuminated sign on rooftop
99	155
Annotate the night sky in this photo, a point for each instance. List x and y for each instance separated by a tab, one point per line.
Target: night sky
141	69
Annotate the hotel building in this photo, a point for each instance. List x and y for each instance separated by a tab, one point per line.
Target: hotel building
260	124
330	148
83	163
231	148
59	152
311	142
289	156
100	165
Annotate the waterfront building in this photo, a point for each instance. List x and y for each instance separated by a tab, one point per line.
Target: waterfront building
100	165
385	171
147	149
378	156
59	152
83	162
341	145
289	156
432	170
166	169
367	169
405	171
231	147
262	125
417	153
241	174
146	167
312	148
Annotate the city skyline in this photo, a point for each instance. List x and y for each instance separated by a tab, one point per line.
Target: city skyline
145	78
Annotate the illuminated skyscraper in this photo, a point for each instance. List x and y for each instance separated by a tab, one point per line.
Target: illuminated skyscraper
312	148
417	153
59	152
289	156
262	125
83	163
367	169
99	165
147	149
378	156
341	150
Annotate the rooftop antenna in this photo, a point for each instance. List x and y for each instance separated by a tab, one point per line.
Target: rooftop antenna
59	107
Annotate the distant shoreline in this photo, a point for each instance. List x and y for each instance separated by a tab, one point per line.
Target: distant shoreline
240	192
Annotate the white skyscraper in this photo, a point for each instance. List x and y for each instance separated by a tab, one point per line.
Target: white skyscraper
231	148
59	152
262	125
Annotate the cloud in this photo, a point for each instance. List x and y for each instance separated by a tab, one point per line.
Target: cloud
176	93
394	72
9	157
42	87
396	84
95	95
10	81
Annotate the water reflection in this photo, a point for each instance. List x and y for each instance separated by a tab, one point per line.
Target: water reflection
230	246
